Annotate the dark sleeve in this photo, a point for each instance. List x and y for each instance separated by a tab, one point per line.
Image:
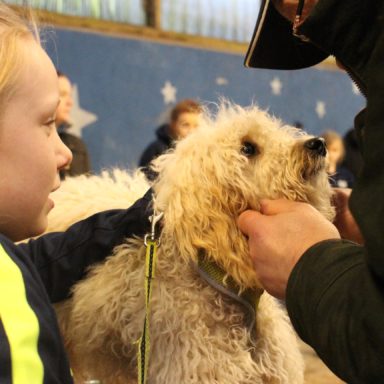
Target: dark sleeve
86	160
80	162
337	306
63	257
151	152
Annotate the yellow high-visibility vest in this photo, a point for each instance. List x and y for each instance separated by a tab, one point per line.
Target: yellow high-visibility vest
20	324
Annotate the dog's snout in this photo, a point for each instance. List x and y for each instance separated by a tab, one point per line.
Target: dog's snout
316	145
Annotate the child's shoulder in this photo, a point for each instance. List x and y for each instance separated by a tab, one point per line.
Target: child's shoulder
5	242
8	249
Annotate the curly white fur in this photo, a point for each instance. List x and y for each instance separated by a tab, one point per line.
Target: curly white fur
81	196
197	335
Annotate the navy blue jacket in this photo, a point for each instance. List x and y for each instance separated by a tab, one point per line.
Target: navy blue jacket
41	272
163	142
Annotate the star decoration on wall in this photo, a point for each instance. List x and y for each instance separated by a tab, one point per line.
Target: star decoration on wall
80	117
320	109
221	81
169	93
276	86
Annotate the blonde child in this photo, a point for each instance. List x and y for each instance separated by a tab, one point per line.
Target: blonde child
339	176
42	271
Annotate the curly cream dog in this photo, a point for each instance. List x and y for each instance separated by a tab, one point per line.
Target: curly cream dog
198	335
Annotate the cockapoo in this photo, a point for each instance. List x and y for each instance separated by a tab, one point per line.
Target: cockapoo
204	329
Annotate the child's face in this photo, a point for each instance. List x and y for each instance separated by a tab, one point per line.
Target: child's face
185	124
31	152
66	102
335	151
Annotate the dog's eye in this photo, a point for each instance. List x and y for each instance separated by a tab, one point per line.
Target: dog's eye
249	149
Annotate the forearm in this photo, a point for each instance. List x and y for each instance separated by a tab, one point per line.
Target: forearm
337	306
62	258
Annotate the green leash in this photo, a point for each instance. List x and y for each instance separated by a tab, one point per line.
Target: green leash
210	272
151	243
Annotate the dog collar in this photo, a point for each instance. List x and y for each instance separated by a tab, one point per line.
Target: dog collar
219	279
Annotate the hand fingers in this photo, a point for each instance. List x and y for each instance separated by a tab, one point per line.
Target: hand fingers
247	220
341	197
274	207
343	191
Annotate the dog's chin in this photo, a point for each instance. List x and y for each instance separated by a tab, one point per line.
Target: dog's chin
314	168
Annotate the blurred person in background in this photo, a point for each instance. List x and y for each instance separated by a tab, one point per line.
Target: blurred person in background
353	159
184	118
339	176
80	163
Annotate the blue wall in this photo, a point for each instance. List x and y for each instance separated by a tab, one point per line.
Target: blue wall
120	80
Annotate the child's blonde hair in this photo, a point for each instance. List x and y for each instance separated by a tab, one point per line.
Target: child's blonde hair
331	136
14	27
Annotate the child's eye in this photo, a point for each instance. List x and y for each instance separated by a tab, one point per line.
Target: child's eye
50	125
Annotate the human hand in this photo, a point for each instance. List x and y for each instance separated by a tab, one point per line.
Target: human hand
279	235
344	221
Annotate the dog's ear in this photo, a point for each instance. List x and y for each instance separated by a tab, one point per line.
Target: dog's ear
201	197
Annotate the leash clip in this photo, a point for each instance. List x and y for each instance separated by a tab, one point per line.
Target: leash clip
154	219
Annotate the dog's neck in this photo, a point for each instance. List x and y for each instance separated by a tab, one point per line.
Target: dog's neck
216	277
219	279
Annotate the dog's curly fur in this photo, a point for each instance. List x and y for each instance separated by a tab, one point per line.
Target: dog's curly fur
197	335
79	197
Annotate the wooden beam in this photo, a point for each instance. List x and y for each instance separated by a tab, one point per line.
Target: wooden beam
150	33
152	11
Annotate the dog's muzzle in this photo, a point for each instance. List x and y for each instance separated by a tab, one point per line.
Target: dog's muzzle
316	146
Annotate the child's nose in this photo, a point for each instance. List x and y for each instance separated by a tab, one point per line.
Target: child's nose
64	156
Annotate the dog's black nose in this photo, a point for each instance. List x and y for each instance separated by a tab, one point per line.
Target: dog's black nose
316	145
